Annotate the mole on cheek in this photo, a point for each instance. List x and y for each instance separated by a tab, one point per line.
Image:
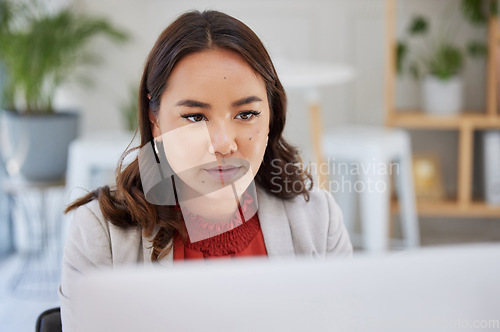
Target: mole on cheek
224	77
250	138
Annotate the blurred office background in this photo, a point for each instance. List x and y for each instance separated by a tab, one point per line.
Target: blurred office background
351	34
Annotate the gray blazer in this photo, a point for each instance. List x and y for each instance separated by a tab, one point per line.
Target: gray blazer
290	227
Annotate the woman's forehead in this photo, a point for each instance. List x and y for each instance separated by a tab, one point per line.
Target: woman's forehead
219	64
215	72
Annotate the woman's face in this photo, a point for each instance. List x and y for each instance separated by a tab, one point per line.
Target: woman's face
214	121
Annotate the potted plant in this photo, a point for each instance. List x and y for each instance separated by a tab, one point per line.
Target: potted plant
40	50
442	91
439	61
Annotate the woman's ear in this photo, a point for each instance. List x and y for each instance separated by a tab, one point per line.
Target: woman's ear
155	124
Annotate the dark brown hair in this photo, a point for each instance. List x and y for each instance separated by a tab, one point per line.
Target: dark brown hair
126	206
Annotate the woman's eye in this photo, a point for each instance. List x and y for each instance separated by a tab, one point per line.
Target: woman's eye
194	117
247	115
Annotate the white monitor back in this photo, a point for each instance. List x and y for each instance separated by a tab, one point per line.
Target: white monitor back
446	289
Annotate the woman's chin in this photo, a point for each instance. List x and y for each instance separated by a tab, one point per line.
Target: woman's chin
222	195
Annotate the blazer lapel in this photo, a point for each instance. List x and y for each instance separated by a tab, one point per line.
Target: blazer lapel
274	224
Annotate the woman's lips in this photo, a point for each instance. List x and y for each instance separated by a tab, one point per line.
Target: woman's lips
224	173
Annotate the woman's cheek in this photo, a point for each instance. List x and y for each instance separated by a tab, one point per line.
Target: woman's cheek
186	147
255	148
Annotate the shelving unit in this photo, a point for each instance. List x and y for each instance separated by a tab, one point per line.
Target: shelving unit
465	123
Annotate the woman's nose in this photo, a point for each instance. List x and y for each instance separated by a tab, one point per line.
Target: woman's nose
222	139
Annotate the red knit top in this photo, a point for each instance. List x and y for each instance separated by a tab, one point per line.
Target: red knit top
244	240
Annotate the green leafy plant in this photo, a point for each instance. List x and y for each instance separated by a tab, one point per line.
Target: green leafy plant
442	58
478	12
446	61
40	50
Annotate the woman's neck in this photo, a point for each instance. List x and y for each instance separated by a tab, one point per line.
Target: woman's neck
217	207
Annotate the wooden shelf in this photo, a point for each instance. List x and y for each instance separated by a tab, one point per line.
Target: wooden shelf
451	208
464	123
414	119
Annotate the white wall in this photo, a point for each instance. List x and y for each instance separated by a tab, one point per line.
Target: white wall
341	31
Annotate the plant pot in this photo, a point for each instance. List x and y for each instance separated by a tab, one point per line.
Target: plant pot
442	97
35	147
6	231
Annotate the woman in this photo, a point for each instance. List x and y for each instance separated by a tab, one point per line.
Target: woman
212	112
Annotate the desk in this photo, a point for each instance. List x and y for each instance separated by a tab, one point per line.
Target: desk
37	214
89	155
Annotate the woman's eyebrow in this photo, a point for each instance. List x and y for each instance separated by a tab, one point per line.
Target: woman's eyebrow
246	100
193	103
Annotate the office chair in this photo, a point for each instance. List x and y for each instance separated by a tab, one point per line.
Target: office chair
49	321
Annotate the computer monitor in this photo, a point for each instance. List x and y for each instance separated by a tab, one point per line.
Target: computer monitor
437	289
